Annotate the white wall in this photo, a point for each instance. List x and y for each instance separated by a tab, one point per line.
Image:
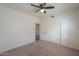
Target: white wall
69	29
16	28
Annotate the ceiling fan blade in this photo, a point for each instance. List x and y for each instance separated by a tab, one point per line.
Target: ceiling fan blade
35	6
41	4
37	10
49	7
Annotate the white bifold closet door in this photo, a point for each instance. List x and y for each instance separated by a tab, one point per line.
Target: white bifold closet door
50	29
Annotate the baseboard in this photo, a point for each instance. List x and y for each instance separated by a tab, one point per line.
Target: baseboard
62	45
4	53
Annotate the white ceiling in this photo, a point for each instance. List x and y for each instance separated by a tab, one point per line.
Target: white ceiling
27	8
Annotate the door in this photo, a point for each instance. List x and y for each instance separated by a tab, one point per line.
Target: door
37	34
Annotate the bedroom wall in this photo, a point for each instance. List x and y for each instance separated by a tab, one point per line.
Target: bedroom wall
16	28
69	29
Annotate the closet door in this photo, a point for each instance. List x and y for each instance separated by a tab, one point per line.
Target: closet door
51	30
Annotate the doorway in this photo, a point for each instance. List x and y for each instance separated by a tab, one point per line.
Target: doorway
37	32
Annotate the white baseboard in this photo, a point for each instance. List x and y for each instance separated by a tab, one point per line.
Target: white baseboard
4	53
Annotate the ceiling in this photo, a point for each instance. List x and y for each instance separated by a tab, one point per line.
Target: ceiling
27	8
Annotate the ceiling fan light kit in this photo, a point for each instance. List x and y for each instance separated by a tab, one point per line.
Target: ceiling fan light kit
42	10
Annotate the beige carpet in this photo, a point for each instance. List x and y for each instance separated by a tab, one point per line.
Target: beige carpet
42	48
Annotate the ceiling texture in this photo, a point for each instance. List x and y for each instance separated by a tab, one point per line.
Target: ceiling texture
27	8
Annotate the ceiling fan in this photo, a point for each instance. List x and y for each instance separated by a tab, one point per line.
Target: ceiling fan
42	7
